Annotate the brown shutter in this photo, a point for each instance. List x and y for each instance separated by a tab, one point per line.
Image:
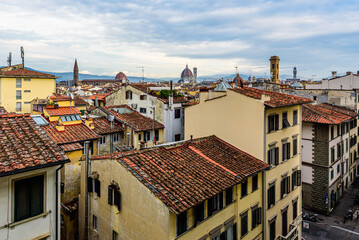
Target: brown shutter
118	199
299	177
89	184
276	122
268	157
276	153
110	195
288	151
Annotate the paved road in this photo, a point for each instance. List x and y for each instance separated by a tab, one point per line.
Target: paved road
322	230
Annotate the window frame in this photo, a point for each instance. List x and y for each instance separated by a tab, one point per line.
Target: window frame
181	229
18	83
255	186
244	224
17	108
143	110
295	117
271	196
285	123
244	188
177	113
18	95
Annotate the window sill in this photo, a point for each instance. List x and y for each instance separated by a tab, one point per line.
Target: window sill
253	190
244	196
14	224
243	236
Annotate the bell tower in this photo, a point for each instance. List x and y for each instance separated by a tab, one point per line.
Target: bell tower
76	74
274	69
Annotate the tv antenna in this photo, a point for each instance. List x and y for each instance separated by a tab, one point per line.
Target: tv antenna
9	59
22	56
143	73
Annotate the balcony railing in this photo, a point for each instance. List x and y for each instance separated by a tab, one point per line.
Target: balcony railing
293	230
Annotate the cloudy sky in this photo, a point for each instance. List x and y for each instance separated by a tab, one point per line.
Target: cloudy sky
109	36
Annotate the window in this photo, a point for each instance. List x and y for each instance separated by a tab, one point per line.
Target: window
143	110
271	196
94	222
215	203
114	235
285	222
338	130
116	137
285	151
114	196
273	156
332	154
296	178
331	174
103	140
272	234
244	224
295	117
273	122
143	97
139	137
285	189
295	210
199	213
244	188
73	117
339	150
295	146
256	217
27	80
181	223
18	106
346	145
18	94
331	132
157	135
177	137
254	183
68	118
27	91
94	182
18	82
338	168
285	122
29	197
128	94
177	113
229	196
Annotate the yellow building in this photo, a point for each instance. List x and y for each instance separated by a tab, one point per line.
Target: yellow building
274	69
199	189
19	86
267	125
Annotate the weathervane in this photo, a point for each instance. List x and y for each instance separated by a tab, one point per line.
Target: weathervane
9	59
22	56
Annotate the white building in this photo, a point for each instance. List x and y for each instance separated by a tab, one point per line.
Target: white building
29	180
347	82
145	98
329	137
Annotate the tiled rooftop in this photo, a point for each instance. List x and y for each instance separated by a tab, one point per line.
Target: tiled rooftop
326	114
59	97
100	96
71	147
72	133
23	144
26	73
80	101
184	176
103	126
62	111
276	99
139	122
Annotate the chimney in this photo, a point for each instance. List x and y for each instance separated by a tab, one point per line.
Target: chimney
334	74
349	73
89	122
170	98
96	101
60	127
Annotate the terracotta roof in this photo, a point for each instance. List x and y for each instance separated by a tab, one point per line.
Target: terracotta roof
276	99
26	73
100	96
72	133
62	111
186	175
80	101
136	119
71	147
326	114
25	146
59	97
103	126
145	87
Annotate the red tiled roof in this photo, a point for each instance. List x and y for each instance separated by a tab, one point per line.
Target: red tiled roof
276	99
71	147
100	96
80	101
186	175
23	144
103	126
326	114
136	119
72	133
59	97
26	73
62	111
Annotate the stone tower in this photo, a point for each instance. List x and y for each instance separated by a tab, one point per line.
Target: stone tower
274	69
76	74
295	73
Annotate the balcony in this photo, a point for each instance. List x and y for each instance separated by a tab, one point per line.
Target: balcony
293	230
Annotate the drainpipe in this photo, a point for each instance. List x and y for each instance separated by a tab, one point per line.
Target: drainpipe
87	196
264	186
57	202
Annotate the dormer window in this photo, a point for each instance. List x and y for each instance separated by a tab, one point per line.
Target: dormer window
69	118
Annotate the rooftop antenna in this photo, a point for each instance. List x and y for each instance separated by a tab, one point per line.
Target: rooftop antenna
143	74
9	59
22	56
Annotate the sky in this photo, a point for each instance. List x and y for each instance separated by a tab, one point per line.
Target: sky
110	36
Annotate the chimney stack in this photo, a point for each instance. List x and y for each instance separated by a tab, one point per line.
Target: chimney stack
334	74
89	122
349	73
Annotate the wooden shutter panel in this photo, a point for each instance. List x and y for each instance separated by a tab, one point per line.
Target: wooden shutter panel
98	187
110	195
89	184
223	236
130	94
276	155
282	188
117	199
269	157
220	200
299	177
276	117
235	231
259	211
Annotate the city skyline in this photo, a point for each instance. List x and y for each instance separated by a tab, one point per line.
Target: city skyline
112	36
